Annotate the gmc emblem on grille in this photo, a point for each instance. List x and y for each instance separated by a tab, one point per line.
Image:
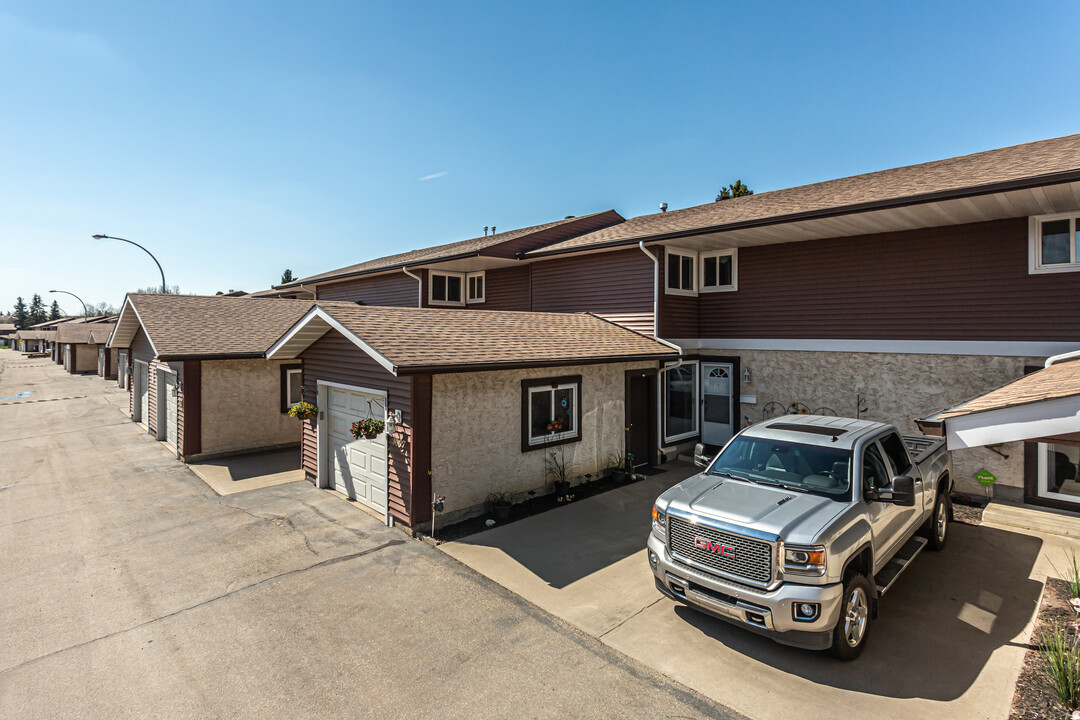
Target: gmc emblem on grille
719	548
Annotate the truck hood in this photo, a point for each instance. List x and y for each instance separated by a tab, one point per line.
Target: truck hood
791	515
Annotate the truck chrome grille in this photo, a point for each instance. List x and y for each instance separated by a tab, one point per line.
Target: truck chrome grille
752	561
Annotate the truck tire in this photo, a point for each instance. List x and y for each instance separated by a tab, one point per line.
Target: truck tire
937	526
849	635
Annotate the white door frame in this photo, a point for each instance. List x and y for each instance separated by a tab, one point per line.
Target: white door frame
322	436
1043	486
732	407
136	404
162	413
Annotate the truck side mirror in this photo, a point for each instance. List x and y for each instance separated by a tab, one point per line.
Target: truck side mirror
901	491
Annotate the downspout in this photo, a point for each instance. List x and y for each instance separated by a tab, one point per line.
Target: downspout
656	336
314	293
419	287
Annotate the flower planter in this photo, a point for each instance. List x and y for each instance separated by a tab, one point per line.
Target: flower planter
562	488
370	436
618	475
501	511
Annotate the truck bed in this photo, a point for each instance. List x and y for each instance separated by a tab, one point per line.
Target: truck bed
922	447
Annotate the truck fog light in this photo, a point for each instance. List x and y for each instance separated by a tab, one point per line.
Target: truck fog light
653	560
805	612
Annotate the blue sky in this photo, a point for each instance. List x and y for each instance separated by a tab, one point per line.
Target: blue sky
237	139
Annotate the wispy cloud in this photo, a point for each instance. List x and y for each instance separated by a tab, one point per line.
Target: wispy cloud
83	44
434	176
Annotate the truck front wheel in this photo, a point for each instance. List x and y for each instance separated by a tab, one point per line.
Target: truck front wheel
849	635
937	528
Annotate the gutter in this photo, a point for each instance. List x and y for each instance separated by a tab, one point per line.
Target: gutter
500	364
1061	358
1027	183
419	286
387	268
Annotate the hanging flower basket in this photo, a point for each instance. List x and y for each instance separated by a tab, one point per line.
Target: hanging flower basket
303	411
367	428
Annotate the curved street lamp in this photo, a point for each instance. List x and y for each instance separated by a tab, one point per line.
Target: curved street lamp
132	242
86	313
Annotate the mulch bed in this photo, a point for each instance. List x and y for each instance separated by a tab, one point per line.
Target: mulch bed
519	511
967	509
1034	700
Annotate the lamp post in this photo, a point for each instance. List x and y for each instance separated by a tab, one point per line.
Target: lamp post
86	313
132	242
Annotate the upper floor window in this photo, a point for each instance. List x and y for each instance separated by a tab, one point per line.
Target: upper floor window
1052	243
446	288
680	272
718	271
475	287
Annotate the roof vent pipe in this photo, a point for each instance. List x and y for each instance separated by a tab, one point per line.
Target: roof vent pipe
492	229
485	230
663	207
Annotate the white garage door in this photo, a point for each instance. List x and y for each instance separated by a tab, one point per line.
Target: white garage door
67	358
167	395
356	467
101	361
142	396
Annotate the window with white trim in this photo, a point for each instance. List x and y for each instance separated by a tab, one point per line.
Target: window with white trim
681	402
680	275
719	271
474	287
292	388
1053	242
446	288
551	412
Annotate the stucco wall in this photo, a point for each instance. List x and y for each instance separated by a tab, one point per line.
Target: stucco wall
476	431
241	406
896	388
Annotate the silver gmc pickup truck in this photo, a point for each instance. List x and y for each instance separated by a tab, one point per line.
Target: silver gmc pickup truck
800	524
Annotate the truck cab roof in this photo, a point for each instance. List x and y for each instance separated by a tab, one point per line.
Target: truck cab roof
827	431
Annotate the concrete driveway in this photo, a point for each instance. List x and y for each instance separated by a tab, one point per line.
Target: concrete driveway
949	643
130	589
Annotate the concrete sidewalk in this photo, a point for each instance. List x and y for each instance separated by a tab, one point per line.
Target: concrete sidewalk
949	642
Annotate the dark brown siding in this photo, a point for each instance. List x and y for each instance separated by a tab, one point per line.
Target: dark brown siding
614	285
505	289
334	359
190	410
962	282
395	290
678	313
553	235
421	449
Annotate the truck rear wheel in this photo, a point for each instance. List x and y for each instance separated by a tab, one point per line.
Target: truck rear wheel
849	635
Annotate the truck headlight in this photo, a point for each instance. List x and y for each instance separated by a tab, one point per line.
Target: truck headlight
659	522
804	559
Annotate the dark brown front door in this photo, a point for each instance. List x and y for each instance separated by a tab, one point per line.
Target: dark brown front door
641	416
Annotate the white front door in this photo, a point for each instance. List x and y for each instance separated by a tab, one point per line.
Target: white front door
142	392
357	467
67	358
101	360
717	412
167	402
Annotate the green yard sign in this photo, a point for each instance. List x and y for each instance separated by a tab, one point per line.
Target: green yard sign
986	477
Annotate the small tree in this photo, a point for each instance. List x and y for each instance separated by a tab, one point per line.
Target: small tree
287	276
734	190
22	318
54	311
37	310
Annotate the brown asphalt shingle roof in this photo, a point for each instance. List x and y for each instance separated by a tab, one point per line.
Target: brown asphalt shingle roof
79	332
1062	379
435	337
195	325
440	252
979	170
35	334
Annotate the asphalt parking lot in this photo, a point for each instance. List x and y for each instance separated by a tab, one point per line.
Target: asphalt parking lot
131	589
949	642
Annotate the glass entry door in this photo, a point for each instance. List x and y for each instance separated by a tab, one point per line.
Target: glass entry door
1058	476
717	403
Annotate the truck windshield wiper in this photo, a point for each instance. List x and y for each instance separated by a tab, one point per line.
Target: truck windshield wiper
733	476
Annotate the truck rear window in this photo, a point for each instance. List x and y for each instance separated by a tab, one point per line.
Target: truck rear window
810	468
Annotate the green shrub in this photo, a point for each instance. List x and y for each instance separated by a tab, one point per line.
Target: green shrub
1061	659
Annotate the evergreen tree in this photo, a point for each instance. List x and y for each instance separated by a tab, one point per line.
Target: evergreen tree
37	310
287	276
54	311
22	318
734	190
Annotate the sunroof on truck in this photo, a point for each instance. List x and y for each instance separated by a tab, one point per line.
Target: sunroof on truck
812	429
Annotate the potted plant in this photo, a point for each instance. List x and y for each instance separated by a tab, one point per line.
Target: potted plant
557	469
617	466
367	428
500	505
303	411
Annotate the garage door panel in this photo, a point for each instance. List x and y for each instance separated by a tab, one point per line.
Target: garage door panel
357	466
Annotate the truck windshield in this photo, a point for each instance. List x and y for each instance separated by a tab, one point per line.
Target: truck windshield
808	468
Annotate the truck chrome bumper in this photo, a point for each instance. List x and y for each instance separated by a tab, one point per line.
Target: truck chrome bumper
767	612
